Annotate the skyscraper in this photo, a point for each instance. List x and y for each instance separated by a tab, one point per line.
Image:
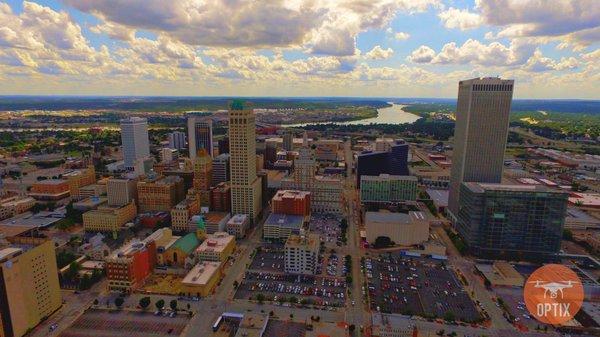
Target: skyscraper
199	135
134	137
177	140
480	134
245	184
394	161
288	140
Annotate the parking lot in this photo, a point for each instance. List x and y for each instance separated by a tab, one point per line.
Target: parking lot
317	290
332	265
328	226
268	258
104	323
515	305
417	286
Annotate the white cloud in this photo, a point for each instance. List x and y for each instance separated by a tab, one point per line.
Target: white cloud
114	31
461	19
423	54
378	53
402	36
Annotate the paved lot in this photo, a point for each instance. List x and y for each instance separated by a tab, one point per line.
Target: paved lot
417	286
104	323
317	290
514	304
284	329
328	226
269	258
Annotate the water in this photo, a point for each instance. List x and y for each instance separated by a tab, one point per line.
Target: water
389	115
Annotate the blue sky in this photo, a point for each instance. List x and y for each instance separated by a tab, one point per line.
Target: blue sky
417	48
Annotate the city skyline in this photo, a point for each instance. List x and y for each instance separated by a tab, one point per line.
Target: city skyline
338	48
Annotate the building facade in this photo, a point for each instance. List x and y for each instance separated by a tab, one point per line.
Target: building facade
301	254
160	193
200	136
183	212
121	191
109	218
220	166
521	222
482	115
134	137
220	198
291	202
394	161
386	188
177	140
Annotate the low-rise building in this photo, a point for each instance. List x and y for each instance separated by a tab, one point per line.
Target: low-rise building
89	204
183	212
238	225
128	267
179	251
14	205
403	229
216	221
93	190
79	178
279	227
109	218
160	193
50	190
216	247
202	279
302	253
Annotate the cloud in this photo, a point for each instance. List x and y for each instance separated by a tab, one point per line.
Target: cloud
320	26
475	52
540	63
114	31
461	19
402	36
378	53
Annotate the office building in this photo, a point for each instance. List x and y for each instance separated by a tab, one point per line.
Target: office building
169	156
223	145
14	205
301	253
121	191
199	136
29	287
50	190
288	140
217	247
79	178
160	193
220	169
480	134
512	222
386	188
220	198
106	218
328	149
291	202
403	229
184	210
238	225
278	227
134	137
245	184
394	161
215	221
177	140
202	279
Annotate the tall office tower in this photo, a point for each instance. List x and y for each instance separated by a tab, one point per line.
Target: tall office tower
512	222
134	137
220	172
480	134
29	287
288	140
199	136
177	140
223	145
245	185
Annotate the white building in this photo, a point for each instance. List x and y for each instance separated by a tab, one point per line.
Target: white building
134	137
302	253
177	140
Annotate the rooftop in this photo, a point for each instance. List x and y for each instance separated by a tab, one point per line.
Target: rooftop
310	241
201	273
238	219
215	217
387	177
216	242
285	220
481	187
290	194
187	243
397	218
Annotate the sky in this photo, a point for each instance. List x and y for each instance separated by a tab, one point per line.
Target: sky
379	48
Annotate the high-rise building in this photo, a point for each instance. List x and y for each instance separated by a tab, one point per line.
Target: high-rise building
177	140
220	197
220	169
245	185
480	134
134	137
160	194
386	188
223	145
288	140
203	170
169	155
513	222
394	161
29	287
121	191
302	253
199	135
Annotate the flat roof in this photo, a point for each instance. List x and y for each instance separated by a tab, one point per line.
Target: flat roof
481	187
201	273
388	177
238	219
215	242
285	220
439	197
214	217
399	218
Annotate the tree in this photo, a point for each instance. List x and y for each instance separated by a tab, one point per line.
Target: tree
271	313
382	242
349	279
352	327
160	304
260	298
173	305
567	235
449	316
96	302
119	302
293	299
144	302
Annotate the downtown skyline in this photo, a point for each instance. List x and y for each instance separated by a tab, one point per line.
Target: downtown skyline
297	48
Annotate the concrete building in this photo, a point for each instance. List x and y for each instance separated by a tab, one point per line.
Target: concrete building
291	202
238	225
385	325
302	253
202	170
29	287
50	190
278	227
202	279
109	218
183	212
245	184
217	247
392	162
480	134
288	140
220	166
520	222
404	229
215	221
328	149
168	156
200	135
121	191
220	198
14	205
388	189
134	137
79	178
160	193
177	140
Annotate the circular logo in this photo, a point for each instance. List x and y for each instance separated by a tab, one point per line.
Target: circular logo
553	294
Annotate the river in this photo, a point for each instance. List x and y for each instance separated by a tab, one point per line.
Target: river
389	115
